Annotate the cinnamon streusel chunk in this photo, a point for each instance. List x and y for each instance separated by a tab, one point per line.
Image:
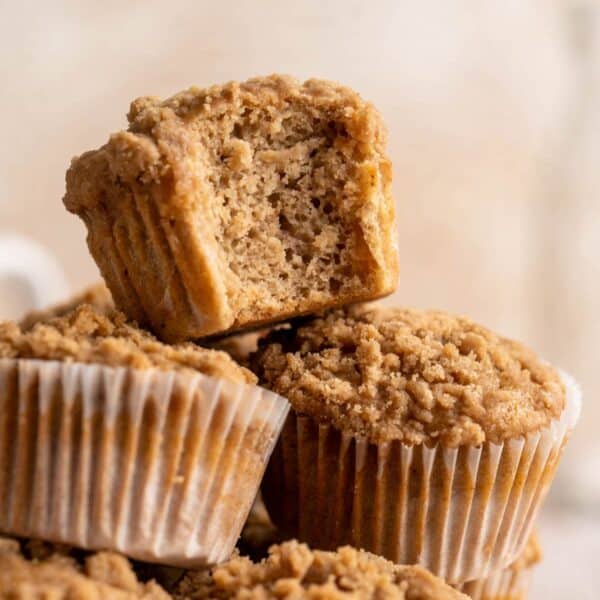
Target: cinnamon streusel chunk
410	375
87	335
293	571
240	204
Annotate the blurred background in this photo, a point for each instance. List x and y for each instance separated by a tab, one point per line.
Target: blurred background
493	112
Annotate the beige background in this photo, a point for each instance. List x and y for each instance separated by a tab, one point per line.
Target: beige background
494	118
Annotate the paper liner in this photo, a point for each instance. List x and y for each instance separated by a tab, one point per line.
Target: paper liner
507	584
160	466
461	512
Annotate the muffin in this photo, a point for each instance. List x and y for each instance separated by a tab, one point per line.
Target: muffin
96	295
112	440
511	583
55	577
294	571
415	435
241	204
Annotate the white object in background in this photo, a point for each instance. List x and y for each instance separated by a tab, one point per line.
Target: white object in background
29	263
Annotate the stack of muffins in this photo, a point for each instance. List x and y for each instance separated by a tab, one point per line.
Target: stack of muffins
243	230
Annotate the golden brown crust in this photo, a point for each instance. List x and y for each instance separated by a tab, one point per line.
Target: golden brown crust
58	576
86	335
411	375
168	207
97	295
294	571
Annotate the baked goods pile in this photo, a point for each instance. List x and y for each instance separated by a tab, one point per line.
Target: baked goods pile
242	232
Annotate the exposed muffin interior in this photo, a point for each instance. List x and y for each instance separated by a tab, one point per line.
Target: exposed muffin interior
286	186
292	570
87	335
410	375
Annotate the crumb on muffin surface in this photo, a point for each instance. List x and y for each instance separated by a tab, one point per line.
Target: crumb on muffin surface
410	375
98	295
87	335
57	576
292	570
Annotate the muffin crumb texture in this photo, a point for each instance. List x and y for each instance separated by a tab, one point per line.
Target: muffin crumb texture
59	576
240	204
410	375
294	571
89	335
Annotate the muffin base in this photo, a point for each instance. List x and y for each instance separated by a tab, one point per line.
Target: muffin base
160	466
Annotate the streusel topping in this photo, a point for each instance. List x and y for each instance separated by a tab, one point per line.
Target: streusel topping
102	575
98	295
87	335
411	375
293	571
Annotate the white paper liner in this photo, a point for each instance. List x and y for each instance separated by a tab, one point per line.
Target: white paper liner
463	513
508	584
160	466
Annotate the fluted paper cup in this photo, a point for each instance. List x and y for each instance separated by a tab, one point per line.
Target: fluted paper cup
461	512
507	584
161	466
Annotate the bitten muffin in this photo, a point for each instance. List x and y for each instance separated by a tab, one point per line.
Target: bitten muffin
416	435
240	204
60	577
292	570
511	583
110	439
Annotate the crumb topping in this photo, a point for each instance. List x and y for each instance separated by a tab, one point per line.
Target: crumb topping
411	375
58	576
98	295
87	335
293	571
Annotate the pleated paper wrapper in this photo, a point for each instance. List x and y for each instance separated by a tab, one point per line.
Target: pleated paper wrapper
463	513
161	466
507	584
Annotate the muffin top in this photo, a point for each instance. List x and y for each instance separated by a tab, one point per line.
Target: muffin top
98	295
104	574
410	375
89	335
292	570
